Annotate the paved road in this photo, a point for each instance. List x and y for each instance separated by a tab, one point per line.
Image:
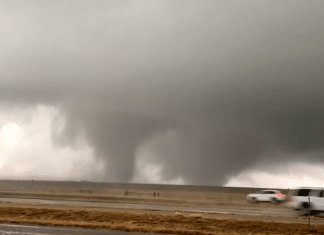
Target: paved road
197	209
6	229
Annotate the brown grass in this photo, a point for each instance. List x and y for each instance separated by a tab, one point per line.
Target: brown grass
150	221
134	222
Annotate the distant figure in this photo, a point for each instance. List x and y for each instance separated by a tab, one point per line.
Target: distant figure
126	193
154	194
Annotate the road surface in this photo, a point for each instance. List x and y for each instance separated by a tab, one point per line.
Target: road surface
185	208
26	229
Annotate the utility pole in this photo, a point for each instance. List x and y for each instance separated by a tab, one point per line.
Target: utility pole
309	213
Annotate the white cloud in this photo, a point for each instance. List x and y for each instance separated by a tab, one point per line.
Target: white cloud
26	148
294	175
148	172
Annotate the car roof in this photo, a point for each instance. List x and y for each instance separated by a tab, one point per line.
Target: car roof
316	188
272	190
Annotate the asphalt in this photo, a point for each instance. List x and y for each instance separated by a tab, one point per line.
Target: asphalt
26	229
153	207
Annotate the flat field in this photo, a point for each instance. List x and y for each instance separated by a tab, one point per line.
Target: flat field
157	221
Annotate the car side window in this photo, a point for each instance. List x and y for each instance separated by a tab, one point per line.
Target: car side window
303	192
315	193
321	193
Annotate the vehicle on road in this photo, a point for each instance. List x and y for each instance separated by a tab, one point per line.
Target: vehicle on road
307	201
274	196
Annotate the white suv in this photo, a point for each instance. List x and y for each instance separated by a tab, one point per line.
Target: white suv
307	201
274	196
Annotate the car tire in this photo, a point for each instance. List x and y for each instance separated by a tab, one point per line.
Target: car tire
275	201
305	210
254	200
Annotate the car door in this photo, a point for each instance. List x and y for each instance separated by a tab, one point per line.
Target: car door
272	195
321	201
260	196
315	199
265	196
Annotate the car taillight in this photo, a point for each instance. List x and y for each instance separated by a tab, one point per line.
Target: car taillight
280	195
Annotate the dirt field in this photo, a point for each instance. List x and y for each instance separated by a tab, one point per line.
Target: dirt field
167	222
175	223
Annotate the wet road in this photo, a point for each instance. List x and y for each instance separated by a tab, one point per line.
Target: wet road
6	229
198	209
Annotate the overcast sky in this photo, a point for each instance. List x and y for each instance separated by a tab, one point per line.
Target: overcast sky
182	92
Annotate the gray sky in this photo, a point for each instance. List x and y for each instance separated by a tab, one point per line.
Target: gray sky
209	89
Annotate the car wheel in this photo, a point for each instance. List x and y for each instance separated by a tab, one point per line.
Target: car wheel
275	201
304	210
254	200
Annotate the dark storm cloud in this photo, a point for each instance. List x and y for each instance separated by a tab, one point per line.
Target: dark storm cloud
227	81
